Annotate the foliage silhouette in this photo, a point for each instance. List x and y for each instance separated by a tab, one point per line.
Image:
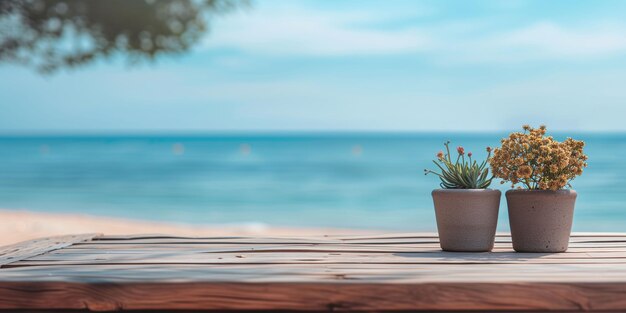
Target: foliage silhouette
52	34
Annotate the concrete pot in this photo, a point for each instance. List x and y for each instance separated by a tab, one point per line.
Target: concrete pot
541	220
466	218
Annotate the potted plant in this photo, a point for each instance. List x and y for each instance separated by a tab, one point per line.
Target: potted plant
466	211
542	210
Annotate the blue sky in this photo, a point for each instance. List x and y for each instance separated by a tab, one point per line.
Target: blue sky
353	65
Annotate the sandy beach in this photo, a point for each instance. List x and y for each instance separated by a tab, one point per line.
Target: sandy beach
20	225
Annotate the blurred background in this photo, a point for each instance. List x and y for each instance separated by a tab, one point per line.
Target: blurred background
255	116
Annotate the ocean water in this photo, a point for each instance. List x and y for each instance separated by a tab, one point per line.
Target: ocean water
357	180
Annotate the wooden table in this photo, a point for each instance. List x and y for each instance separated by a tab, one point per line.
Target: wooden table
353	273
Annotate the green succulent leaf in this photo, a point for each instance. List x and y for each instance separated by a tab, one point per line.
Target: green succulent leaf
462	173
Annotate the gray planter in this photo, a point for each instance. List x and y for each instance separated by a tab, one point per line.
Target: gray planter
466	218
541	220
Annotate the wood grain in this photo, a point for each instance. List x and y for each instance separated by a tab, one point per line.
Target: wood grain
313	297
31	248
324	273
247	273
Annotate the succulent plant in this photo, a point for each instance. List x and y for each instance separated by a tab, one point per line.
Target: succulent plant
464	173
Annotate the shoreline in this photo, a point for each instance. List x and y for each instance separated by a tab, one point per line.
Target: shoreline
21	225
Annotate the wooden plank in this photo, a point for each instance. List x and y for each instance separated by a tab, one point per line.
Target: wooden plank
27	249
314	296
145	250
244	259
256	249
616	239
340	237
330	247
355	273
337	253
273	249
166	236
378	272
90	248
392	241
434	235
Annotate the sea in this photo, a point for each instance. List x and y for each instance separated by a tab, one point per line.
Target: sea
338	180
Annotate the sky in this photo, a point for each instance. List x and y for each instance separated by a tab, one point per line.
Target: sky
352	66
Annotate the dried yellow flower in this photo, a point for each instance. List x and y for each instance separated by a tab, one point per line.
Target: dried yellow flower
538	161
524	171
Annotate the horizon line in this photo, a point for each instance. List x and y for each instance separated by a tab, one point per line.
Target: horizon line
174	133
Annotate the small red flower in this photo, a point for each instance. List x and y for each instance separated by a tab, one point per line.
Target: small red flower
460	150
440	155
469	154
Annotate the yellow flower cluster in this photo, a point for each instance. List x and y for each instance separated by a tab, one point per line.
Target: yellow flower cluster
538	161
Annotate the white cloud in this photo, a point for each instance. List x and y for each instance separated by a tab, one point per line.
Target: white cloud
556	40
293	30
305	31
545	41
